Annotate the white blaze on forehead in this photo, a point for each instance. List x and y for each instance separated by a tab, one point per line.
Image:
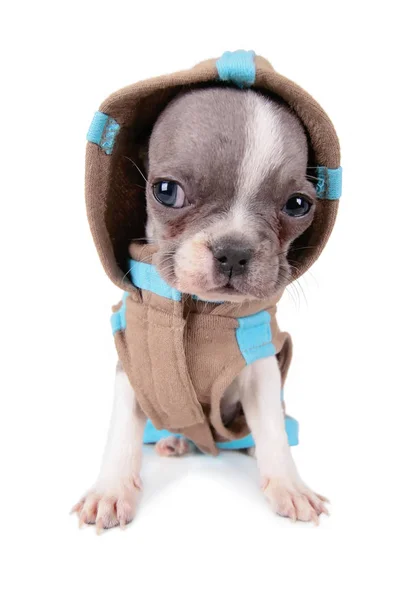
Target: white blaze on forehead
264	151
264	146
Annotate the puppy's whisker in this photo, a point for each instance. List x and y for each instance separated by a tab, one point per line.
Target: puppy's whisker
298	283
135	165
139	239
126	274
283	282
292	298
299	249
166	260
286	252
294	286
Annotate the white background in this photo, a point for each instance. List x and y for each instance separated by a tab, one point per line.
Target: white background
203	529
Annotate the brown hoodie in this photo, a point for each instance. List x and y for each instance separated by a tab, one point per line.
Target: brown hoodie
179	352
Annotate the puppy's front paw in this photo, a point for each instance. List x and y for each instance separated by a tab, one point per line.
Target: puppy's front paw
107	505
294	500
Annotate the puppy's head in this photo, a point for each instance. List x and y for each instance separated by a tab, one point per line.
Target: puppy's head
227	193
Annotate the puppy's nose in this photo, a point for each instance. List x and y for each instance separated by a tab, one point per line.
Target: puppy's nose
232	259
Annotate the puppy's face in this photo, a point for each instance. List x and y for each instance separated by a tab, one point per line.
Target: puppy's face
227	193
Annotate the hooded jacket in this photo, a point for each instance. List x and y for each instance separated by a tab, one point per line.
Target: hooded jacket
180	353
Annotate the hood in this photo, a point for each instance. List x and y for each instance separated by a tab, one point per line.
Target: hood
115	197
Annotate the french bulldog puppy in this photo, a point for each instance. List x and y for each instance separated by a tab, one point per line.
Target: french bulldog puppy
241	158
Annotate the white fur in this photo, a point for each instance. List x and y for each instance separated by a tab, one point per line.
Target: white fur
259	386
264	146
112	500
263	152
123	454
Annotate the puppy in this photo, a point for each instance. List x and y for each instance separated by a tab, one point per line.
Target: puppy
227	193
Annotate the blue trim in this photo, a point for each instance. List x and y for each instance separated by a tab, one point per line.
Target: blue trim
292	430
329	184
118	319
102	131
254	337
152	435
237	67
97	127
146	277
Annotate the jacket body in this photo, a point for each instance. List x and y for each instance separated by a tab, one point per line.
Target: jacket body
181	353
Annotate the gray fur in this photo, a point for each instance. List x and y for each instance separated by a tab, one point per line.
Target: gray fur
200	141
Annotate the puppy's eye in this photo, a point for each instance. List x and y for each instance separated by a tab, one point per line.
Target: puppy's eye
169	193
297	206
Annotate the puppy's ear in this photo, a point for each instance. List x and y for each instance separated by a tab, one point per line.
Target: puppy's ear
143	155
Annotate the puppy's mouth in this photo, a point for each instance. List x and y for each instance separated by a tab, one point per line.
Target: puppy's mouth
228	287
227	291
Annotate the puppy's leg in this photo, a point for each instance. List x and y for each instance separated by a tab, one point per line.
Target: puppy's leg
260	385
112	500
